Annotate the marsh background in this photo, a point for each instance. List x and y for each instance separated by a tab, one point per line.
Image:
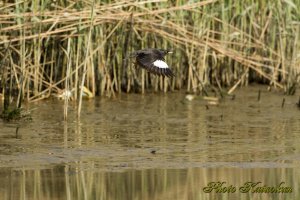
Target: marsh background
48	48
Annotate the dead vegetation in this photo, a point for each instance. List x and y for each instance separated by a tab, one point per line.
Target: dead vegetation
49	47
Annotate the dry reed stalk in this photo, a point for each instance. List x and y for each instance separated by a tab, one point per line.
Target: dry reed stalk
85	61
237	83
67	80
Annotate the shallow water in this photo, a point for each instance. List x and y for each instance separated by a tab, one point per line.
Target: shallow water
153	146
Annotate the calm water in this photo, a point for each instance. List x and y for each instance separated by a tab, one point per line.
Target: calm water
156	146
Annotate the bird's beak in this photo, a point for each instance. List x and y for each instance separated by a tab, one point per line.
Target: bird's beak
170	51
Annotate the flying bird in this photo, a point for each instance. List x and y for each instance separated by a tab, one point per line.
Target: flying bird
153	61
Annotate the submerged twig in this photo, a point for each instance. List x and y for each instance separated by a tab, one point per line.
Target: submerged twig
283	101
258	95
298	103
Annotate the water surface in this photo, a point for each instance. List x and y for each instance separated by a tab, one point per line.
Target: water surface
153	146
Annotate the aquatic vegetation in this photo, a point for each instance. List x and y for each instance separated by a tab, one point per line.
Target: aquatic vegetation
15	114
50	46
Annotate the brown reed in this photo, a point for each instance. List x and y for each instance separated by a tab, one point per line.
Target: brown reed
56	46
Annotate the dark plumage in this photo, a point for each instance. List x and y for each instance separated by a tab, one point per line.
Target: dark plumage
153	61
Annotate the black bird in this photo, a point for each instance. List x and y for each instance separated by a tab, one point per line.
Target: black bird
153	61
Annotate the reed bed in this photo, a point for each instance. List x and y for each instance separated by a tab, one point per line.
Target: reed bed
53	46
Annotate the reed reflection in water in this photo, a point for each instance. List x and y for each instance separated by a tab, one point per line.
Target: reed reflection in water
70	182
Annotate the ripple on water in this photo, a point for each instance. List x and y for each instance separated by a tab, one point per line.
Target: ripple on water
182	133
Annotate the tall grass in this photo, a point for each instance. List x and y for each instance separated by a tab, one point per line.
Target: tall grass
48	46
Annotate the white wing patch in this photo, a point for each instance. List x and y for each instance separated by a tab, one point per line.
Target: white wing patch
160	64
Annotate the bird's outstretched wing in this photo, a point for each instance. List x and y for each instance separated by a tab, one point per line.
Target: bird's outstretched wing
153	62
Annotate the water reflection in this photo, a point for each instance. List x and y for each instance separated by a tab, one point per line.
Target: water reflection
156	146
72	182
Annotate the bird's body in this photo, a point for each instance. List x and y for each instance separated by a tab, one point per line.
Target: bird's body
153	61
